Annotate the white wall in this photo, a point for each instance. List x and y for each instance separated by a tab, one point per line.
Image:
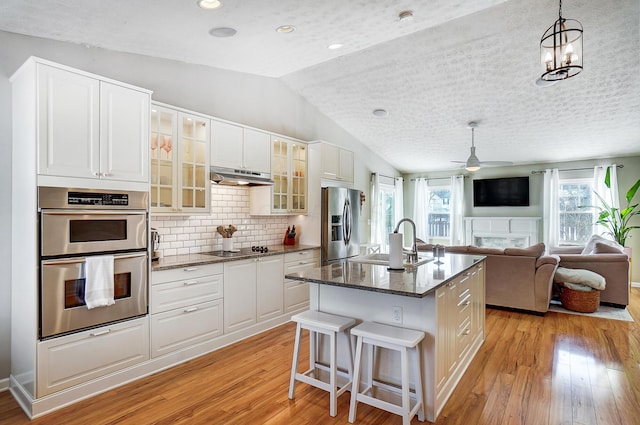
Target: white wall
256	101
627	176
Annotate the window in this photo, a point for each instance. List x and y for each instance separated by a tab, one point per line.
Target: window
576	224
387	197
439	213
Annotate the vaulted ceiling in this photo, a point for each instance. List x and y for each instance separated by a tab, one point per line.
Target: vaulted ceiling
454	62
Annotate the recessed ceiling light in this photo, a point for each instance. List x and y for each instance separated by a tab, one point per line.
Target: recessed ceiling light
406	15
334	46
285	29
380	112
209	4
222	32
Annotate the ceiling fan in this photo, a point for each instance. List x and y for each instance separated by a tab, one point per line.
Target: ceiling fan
473	163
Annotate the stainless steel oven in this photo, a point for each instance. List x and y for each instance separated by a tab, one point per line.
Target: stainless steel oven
76	224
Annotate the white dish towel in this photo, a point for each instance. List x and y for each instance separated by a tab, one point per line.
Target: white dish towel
98	286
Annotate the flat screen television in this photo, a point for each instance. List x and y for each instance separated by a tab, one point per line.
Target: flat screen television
502	192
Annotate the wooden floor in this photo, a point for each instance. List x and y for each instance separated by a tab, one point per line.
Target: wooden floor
556	369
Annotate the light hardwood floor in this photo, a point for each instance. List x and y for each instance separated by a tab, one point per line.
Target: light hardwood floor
556	369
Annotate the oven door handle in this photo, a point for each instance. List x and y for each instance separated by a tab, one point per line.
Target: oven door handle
81	259
94	212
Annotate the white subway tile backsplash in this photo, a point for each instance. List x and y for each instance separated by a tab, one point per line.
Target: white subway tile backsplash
229	205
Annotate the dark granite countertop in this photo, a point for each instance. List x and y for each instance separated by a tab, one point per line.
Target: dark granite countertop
417	282
186	260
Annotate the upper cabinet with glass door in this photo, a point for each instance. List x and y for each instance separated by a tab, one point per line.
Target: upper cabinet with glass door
179	161
288	195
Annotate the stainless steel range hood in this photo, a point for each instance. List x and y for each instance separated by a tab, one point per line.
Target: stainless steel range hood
231	176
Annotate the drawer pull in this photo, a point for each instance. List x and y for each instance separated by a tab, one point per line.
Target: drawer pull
466	332
100	333
191	282
190	269
190	309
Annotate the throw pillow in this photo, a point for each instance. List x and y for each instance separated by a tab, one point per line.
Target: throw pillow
533	251
586	277
590	247
605	248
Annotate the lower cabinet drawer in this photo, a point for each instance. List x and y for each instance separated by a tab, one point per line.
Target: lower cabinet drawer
296	295
176	329
73	359
183	293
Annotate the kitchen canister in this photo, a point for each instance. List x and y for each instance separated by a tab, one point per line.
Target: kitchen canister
227	244
395	251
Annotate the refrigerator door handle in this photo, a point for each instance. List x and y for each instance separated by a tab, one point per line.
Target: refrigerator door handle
346	221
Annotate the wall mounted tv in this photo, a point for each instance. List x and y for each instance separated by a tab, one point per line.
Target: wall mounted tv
502	192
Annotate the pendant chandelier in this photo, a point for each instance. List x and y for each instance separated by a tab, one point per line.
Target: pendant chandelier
561	49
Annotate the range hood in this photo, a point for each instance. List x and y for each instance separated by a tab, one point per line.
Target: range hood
232	176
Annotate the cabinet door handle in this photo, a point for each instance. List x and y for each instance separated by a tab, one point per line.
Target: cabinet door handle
100	333
466	332
97	174
107	174
190	269
190	309
190	282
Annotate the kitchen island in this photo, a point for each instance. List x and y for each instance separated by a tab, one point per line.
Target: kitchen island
444	299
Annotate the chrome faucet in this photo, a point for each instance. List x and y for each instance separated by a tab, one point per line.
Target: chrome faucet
413	256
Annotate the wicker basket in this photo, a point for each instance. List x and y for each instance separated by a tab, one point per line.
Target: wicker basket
581	301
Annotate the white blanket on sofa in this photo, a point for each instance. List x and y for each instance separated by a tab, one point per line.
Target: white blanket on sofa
585	277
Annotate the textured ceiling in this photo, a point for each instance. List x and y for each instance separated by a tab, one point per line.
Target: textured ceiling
456	61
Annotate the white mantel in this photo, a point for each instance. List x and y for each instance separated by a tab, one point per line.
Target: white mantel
502	232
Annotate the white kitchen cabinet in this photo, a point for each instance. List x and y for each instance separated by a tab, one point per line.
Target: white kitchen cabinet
239	294
179	161
186	307
257	150
460	321
184	327
296	293
337	163
270	289
90	128
73	359
241	148
289	194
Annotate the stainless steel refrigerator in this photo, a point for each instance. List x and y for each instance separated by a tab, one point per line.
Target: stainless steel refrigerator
340	223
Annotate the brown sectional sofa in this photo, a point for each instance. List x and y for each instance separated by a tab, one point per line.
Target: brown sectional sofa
514	277
613	266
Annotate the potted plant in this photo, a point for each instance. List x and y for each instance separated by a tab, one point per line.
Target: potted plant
616	220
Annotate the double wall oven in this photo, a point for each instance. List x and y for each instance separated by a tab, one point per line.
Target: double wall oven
76	224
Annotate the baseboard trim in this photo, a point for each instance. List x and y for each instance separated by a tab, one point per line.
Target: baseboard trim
635	284
4	384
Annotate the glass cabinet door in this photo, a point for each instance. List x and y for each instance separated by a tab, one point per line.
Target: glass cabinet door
289	173
299	177
280	175
163	157
194	157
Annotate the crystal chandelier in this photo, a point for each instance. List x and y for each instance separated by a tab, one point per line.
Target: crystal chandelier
561	49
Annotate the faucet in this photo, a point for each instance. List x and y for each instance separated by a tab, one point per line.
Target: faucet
413	257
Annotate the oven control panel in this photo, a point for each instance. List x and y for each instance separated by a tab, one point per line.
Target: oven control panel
92	198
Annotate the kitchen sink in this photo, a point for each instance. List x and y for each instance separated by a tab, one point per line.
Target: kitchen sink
383	260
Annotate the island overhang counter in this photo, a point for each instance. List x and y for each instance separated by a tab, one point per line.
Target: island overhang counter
444	299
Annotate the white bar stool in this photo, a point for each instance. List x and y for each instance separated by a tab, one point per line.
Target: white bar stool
393	338
317	322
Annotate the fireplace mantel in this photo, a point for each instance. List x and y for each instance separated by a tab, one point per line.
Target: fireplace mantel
502	232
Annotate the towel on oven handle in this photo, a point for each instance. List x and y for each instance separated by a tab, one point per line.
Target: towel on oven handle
98	287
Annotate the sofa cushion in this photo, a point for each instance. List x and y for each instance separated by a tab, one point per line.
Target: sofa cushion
533	251
590	246
605	248
586	277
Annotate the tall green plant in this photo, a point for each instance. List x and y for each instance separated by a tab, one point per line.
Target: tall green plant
616	220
